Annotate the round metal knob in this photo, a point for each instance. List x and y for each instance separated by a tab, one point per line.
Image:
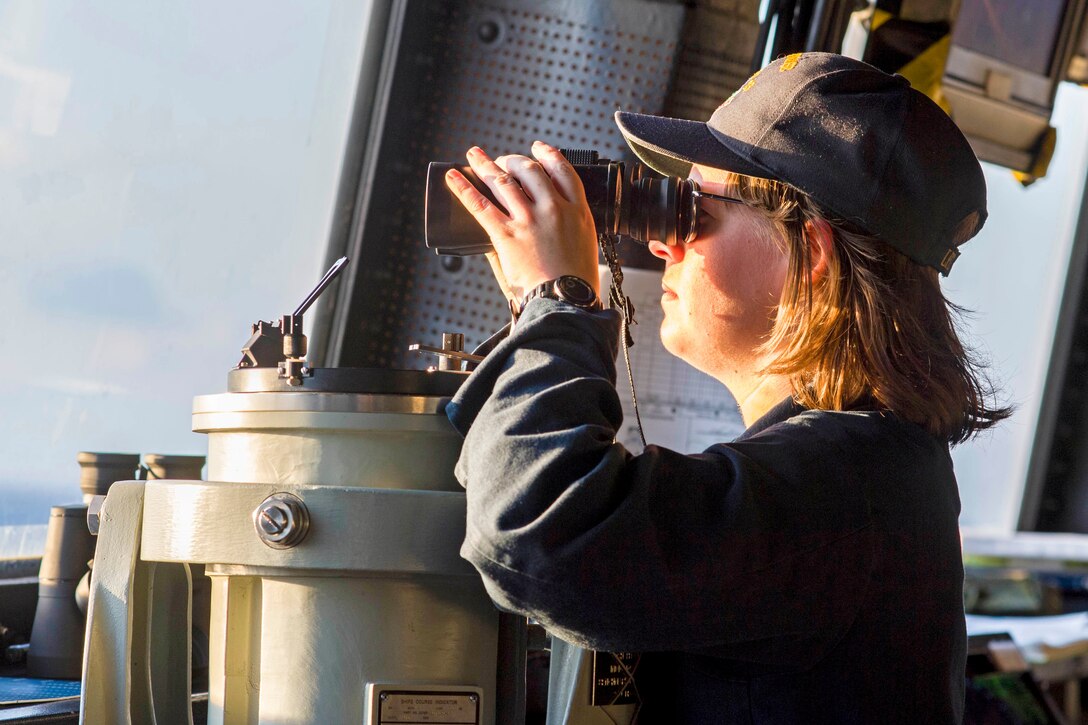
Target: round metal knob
282	521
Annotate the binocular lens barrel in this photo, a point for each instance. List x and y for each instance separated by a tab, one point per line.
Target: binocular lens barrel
661	210
623	199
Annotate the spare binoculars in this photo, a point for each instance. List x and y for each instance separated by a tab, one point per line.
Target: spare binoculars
623	198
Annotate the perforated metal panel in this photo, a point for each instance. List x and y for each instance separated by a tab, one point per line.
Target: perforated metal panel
498	75
718	41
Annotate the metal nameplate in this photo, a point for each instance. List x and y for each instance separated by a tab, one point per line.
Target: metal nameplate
614	679
419	705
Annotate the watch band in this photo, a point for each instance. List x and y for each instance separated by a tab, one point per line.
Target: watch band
568	288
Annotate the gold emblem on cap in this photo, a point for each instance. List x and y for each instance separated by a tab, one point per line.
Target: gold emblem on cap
790	62
751	81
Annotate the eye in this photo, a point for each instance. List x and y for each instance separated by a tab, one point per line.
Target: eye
707	217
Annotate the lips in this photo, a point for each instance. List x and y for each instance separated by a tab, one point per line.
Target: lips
666	292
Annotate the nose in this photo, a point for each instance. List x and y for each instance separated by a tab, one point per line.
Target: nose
670	253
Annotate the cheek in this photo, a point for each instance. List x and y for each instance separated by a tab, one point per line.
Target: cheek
767	266
777	267
749	278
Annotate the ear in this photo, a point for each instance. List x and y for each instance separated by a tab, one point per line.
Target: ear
821	247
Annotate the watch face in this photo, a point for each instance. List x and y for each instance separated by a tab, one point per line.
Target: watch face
575	290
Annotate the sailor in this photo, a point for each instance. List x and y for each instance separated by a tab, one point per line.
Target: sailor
808	571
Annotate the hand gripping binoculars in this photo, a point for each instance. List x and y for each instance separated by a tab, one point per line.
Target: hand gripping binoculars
625	199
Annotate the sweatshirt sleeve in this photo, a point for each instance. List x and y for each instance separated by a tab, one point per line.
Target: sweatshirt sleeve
722	551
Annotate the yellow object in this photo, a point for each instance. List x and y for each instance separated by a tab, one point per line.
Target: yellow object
879	18
789	62
1042	159
925	71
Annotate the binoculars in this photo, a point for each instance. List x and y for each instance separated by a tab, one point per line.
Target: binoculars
625	199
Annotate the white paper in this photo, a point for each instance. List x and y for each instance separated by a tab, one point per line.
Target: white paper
1026	545
1038	637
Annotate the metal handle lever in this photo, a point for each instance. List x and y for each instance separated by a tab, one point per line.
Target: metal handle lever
451	356
324	282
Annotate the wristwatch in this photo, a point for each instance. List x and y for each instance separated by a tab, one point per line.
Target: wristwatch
568	288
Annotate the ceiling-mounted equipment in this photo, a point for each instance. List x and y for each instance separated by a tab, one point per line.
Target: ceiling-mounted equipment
1005	62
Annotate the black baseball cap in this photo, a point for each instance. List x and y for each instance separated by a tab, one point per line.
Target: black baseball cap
862	143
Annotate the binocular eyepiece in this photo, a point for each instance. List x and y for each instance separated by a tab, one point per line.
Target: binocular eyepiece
623	198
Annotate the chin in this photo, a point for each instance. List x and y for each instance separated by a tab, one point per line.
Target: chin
671	341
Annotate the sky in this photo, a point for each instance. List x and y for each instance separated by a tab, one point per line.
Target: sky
1011	276
162	186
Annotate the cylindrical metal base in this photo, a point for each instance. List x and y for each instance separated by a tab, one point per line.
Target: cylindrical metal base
98	471
373	599
320	640
329	438
56	642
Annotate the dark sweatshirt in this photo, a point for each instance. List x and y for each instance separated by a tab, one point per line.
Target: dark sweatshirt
807	572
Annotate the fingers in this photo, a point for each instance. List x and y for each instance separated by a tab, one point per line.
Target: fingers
519	182
537	218
490	217
503	184
531	175
563	176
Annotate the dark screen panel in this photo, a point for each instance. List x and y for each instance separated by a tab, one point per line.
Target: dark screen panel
1022	33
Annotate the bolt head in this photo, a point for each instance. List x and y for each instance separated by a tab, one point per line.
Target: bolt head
282	521
274	519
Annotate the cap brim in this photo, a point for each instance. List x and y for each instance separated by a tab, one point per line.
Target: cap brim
670	146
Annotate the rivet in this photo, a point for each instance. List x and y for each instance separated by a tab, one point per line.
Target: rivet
488	31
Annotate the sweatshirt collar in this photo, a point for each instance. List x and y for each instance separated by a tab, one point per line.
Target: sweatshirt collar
780	412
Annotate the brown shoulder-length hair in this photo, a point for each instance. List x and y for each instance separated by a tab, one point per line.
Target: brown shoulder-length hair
875	331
